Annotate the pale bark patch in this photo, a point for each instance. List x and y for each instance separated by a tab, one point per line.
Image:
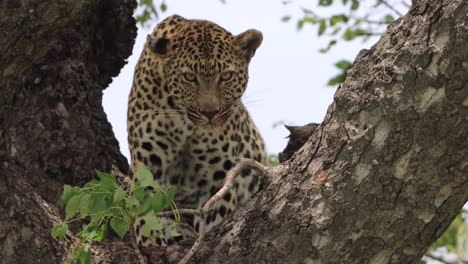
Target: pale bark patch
430	97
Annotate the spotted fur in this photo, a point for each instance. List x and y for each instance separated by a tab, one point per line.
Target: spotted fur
186	121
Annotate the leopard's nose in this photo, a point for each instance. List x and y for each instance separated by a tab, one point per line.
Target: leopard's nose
209	114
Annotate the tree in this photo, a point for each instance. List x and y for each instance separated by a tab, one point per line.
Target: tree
353	20
380	179
58	58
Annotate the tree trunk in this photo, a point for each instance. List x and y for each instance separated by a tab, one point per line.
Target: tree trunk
57	58
379	180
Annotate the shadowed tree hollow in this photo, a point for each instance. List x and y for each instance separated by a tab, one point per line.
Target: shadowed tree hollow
378	181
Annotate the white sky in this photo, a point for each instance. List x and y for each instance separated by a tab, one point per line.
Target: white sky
288	75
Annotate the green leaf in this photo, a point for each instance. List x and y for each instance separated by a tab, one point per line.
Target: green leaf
351	34
89	232
85	202
139	194
145	206
359	21
322	27
120	227
344	2
59	231
338	19
72	206
119	195
310	20
336	31
330	44
343	64
98	204
144	177
151	223
107	181
91	184
68	192
104	176
163	7
83	255
325	2
95	231
157	202
348	35
389	19
170	196
101	233
132	202
337	79
286	18
354	4
300	24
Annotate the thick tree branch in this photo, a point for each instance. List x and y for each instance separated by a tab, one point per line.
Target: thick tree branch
385	173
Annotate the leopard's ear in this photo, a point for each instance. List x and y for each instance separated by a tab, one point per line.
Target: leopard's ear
161	41
248	42
158	45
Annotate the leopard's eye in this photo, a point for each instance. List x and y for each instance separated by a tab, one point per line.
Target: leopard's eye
189	77
226	76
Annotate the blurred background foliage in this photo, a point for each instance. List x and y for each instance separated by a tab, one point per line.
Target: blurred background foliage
348	20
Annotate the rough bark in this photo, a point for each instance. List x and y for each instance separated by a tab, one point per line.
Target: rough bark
57	58
377	182
386	172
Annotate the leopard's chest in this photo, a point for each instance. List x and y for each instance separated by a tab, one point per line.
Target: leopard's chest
202	163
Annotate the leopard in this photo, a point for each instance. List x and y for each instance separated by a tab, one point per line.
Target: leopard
186	121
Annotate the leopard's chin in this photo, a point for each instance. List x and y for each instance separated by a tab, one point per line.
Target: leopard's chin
205	123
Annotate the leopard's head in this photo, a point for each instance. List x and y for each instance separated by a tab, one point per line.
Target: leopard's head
205	67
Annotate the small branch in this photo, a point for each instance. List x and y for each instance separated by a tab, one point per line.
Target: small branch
370	34
376	22
181	211
228	183
391	7
196	245
431	256
230	177
406	4
188	227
